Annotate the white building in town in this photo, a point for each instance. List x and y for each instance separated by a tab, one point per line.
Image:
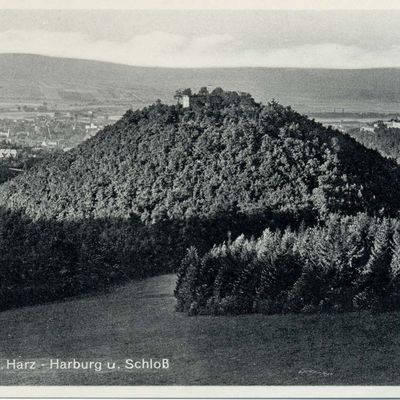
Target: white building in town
8	153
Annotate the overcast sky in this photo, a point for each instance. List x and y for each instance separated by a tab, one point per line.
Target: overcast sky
212	38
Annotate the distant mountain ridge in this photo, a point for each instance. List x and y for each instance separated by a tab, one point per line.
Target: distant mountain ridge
33	78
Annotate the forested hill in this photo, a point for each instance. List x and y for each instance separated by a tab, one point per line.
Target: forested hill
225	155
385	140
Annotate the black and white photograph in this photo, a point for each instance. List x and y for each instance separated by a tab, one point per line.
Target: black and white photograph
199	194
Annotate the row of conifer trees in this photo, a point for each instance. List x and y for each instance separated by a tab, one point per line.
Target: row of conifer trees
346	264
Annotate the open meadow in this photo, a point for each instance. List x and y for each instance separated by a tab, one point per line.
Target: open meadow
138	321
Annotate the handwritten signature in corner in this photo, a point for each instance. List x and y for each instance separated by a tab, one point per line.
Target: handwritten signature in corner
313	372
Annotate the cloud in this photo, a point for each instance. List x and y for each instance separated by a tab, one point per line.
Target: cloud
174	50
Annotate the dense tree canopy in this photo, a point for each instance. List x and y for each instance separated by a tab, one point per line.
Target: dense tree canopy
129	202
225	154
383	139
350	263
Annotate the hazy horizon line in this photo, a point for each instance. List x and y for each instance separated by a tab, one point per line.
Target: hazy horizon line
193	68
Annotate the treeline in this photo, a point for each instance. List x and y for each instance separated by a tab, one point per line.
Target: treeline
349	263
229	154
127	203
46	259
10	167
385	140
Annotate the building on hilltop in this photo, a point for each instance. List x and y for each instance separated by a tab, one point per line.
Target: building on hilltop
184	101
194	100
188	99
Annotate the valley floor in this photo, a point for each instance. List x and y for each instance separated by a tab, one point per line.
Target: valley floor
138	321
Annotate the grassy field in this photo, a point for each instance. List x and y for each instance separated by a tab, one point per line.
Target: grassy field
138	321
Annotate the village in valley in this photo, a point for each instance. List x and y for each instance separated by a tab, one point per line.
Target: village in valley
40	130
28	133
